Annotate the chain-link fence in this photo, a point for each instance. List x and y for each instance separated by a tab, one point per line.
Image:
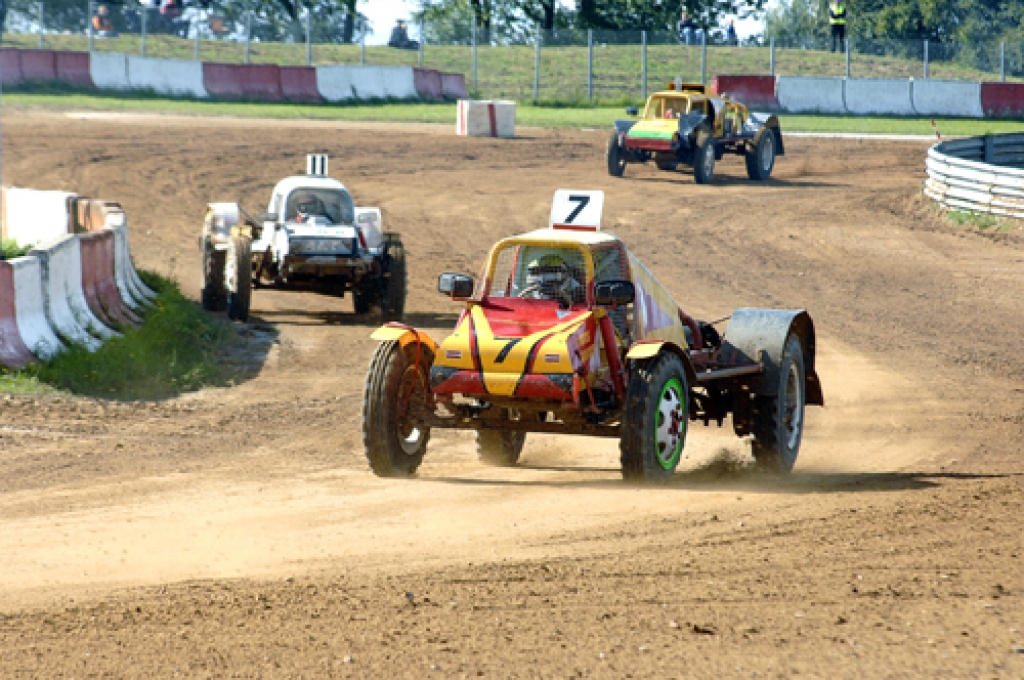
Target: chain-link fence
543	66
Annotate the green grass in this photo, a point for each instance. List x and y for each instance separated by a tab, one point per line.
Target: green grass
507	71
982	221
552	116
176	350
10	249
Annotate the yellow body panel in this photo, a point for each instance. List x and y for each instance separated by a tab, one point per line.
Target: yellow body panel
404	336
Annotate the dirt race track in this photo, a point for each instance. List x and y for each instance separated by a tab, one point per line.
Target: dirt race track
238	532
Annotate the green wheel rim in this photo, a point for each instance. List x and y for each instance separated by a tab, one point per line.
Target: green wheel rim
670	424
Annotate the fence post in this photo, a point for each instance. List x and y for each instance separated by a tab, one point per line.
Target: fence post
704	57
771	56
145	15
41	29
847	46
643	65
309	37
1002	62
925	58
536	65
423	38
362	50
199	27
473	37
92	33
248	37
590	64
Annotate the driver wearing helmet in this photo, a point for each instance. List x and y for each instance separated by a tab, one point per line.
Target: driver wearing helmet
308	204
550	278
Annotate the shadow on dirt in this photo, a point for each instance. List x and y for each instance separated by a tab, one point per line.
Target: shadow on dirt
301	317
678	177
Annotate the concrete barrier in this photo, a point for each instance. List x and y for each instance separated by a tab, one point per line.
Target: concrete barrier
485	118
109	70
879	97
805	94
10	66
98	283
339	83
38	65
453	86
262	82
947	98
66	307
223	80
399	82
30	304
31	216
1003	100
753	91
124	269
427	83
13	352
298	84
74	68
167	76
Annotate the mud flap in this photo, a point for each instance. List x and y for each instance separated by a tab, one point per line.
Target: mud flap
762	333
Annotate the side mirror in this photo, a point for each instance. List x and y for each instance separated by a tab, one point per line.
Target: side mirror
266	217
455	286
608	293
632	111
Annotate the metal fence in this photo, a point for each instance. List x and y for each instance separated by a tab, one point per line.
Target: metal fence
537	65
980	174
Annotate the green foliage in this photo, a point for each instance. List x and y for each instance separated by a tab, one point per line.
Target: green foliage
982	221
176	350
11	249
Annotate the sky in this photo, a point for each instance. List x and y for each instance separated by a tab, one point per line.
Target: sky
384	14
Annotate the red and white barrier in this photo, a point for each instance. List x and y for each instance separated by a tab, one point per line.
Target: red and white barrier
485	118
167	76
124	270
109	70
31	216
66	308
13	352
30	303
98	280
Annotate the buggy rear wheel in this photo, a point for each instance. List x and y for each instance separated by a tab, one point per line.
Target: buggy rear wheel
238	266
616	159
778	421
397	391
500	448
761	158
214	297
704	158
394	282
656	416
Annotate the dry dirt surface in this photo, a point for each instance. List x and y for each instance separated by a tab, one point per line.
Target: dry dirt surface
238	532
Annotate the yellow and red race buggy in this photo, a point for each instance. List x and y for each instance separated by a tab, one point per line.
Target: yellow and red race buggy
567	332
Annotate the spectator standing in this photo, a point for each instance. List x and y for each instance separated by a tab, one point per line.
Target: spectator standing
688	31
837	21
101	23
730	34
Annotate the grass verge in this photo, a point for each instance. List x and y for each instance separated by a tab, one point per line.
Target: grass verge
983	221
175	351
545	116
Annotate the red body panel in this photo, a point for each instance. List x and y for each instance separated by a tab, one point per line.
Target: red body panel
519	317
649	144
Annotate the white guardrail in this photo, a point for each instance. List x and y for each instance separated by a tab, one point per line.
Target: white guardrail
980	174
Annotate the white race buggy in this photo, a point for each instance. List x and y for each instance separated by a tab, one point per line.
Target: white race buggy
312	237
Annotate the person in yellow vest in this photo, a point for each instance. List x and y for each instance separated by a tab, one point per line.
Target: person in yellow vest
837	20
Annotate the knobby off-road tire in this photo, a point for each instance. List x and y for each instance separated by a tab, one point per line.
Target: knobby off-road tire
394	284
704	158
615	157
214	297
500	448
362	299
778	422
238	266
655	420
394	448
761	158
